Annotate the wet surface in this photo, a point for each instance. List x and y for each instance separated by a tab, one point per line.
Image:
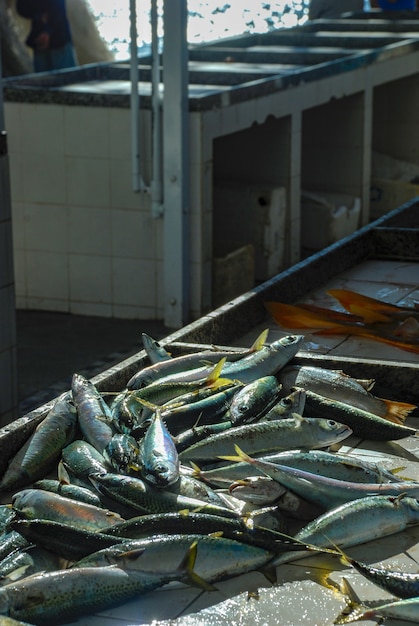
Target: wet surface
51	347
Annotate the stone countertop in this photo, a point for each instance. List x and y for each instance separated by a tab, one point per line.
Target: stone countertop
240	69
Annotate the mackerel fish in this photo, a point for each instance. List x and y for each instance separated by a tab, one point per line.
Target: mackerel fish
266	361
337	385
356	522
217	558
268	436
187	362
60	596
324	491
43	448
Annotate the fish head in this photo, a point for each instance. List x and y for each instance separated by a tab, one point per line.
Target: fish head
333	431
162	473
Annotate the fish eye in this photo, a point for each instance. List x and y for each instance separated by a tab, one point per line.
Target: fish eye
332	423
161	468
243	408
286	401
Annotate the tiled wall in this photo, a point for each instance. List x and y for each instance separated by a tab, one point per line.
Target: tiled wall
84	242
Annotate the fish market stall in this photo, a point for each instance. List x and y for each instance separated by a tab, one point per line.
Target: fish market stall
252	568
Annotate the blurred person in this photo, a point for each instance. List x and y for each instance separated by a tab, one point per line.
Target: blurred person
333	8
394	5
50	35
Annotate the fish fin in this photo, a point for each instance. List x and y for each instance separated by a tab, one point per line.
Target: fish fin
62	474
397	411
370	309
130	555
196	469
354	609
214	375
396	471
186	570
260	341
17	573
241	456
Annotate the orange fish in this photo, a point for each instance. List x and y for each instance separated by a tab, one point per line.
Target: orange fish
370	309
368	318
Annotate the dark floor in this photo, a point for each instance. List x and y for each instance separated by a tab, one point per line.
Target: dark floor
51	347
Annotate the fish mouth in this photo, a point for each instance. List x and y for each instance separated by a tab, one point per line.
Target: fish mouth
161	478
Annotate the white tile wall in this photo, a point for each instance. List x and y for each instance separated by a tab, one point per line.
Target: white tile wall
83	241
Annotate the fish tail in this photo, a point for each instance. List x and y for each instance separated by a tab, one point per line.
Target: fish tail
370	309
397	411
186	572
354	610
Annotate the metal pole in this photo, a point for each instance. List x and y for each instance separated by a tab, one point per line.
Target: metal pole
137	181
176	165
156	185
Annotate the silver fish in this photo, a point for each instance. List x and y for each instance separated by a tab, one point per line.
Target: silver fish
217	557
95	417
294	402
406	609
154	350
264	362
356	522
332	465
64	595
43	448
123	454
158	454
268	436
36	503
339	386
254	400
187	362
324	491
137	494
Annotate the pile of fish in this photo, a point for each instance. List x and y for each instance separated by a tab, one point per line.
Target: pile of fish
204	467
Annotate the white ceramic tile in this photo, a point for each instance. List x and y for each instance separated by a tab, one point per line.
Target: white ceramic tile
90	308
47	275
133	282
19	267
46	227
121	191
46	304
44	178
90	279
87	182
13	126
86	131
42	127
16	173
89	230
119	133
133	234
143	312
